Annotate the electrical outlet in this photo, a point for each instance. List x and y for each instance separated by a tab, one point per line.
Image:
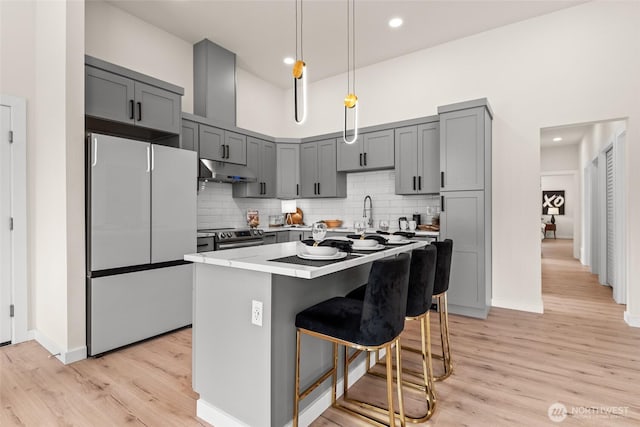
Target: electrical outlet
256	312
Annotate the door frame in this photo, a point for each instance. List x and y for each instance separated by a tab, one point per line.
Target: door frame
19	284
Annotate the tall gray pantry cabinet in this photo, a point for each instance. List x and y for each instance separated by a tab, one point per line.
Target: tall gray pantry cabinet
465	191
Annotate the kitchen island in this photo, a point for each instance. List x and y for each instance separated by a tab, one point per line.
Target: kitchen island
245	372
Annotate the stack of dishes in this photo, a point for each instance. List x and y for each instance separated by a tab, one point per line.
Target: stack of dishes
320	253
396	239
366	245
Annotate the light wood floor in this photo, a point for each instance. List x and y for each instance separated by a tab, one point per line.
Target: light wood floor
508	369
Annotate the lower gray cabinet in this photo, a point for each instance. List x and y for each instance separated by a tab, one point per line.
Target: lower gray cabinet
270	237
463	220
418	159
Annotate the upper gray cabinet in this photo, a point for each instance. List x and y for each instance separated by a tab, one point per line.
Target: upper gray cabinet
288	171
374	150
318	171
222	145
417	156
189	136
462	149
118	98
261	158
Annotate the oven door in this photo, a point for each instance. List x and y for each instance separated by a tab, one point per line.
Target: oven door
243	244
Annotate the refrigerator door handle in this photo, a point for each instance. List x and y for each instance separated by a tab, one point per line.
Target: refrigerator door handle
153	158
95	152
148	159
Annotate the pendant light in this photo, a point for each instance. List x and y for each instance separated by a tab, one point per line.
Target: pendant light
299	70
351	100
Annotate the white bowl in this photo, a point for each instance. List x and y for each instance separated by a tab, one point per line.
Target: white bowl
395	238
321	250
364	243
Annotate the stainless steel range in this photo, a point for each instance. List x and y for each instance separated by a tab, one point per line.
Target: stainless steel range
228	238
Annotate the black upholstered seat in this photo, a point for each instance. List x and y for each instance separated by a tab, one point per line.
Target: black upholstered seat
372	323
440	288
420	292
421	282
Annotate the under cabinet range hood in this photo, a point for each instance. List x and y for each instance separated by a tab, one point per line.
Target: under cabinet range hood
211	170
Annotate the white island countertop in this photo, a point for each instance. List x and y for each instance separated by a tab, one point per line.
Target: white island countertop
258	258
419	233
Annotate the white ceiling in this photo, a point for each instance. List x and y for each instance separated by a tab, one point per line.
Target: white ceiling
570	135
262	32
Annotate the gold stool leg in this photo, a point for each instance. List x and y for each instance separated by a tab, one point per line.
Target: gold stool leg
399	383
296	403
389	363
444	337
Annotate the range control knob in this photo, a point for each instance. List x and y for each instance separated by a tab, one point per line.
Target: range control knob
260	232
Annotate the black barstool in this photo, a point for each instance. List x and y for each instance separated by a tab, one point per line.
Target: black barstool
440	287
371	324
419	295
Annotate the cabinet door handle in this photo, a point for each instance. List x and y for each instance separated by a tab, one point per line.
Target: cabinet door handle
441	203
222	150
297	189
365	159
419	182
318	188
139	111
360	159
264	185
226	151
414	182
131	108
442	179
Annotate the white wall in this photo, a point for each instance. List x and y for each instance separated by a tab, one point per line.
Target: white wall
562	158
123	39
216	207
516	68
43	49
559	170
568	182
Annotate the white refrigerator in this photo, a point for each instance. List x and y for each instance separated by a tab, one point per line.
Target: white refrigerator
141	220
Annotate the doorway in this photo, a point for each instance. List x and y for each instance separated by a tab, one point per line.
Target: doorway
13	221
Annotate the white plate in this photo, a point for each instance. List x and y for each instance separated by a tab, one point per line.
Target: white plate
339	255
398	242
368	248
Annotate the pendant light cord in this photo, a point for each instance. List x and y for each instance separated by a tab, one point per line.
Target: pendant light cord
299	24
351	46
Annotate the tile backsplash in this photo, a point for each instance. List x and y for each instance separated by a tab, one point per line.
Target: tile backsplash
217	207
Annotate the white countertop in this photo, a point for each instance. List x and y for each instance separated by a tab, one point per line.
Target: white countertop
345	230
256	258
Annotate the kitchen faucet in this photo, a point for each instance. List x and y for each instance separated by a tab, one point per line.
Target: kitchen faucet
370	209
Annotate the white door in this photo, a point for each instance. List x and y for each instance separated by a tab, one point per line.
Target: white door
610	219
173	203
120	202
5	230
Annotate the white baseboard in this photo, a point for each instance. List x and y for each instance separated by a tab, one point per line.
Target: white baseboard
66	357
632	319
217	417
535	307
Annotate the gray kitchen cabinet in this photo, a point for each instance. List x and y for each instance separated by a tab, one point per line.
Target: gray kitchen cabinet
465	159
295	235
318	171
118	98
261	159
270	237
462	219
282	236
374	150
288	171
417	159
462	149
189	136
222	145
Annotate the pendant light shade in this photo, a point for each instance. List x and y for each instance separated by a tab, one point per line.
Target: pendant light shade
299	72
351	100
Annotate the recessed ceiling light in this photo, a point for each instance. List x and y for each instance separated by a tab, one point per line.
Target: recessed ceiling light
395	22
288	60
557	139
